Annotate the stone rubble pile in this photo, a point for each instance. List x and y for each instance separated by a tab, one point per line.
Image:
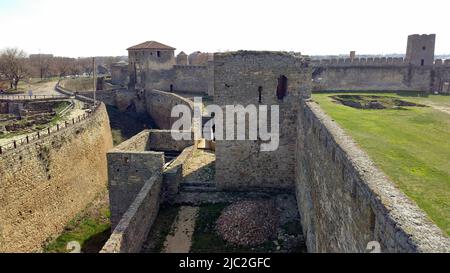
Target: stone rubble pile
248	223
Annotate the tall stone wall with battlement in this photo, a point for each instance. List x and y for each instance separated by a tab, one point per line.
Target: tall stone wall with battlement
45	183
378	74
190	78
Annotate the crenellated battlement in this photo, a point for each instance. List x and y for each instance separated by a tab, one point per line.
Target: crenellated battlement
377	61
178	66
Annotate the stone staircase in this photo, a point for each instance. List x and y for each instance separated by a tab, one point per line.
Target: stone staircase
196	193
198	186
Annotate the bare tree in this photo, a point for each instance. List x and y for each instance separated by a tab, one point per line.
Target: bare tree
75	68
86	65
109	61
41	65
13	66
63	65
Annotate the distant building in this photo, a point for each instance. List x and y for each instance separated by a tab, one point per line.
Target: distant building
153	65
102	70
42	56
182	58
119	73
198	58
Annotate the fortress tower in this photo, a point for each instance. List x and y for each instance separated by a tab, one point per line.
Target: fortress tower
420	49
182	58
147	61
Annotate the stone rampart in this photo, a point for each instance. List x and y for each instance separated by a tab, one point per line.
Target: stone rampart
377	74
190	78
133	228
44	183
130	165
159	106
139	180
345	202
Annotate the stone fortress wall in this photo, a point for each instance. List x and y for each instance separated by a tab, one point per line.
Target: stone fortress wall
159	105
139	181
344	201
240	165
190	78
40	193
418	71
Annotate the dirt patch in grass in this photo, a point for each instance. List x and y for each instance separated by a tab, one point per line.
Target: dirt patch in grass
160	230
183	228
374	102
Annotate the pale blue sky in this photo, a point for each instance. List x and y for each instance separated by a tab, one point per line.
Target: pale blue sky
108	27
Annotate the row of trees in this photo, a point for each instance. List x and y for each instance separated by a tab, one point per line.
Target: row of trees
16	65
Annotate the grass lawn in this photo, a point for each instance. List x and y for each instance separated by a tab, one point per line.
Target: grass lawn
411	146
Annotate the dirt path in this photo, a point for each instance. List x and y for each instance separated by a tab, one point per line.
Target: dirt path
47	88
445	109
180	240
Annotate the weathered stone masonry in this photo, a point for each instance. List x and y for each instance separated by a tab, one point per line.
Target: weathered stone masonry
238	78
139	181
46	183
345	201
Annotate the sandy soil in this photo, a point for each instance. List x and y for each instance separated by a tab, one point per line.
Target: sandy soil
180	240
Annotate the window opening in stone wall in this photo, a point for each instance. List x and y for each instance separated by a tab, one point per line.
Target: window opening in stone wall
171	88
158	53
282	87
422	62
260	94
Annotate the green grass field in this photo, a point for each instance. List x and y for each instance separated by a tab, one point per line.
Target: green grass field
411	146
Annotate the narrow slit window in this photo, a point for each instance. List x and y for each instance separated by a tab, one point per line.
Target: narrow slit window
260	89
282	87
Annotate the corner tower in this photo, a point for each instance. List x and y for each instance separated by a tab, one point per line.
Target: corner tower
147	61
420	49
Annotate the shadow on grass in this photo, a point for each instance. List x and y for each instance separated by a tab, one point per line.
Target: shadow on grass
96	242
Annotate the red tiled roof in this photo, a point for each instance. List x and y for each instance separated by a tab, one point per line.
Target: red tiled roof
151	45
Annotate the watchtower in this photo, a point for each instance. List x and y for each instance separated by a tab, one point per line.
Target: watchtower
420	49
148	58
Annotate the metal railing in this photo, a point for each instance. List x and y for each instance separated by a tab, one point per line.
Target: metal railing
31	97
29	138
